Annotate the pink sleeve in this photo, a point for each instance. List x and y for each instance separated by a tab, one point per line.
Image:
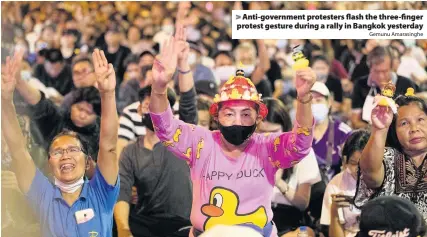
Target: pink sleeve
184	140
287	149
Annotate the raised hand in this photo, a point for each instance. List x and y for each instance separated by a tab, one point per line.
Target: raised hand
182	47
104	72
10	74
164	65
381	116
305	79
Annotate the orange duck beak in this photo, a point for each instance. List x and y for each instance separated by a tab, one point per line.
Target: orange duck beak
212	210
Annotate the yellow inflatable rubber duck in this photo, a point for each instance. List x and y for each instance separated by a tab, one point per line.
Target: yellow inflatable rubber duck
300	60
388	91
222	210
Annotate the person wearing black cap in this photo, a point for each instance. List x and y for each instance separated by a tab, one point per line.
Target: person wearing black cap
391	216
55	72
206	89
163	186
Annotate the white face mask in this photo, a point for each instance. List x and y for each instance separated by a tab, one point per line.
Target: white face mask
249	69
320	112
25	75
192	58
193	34
69	188
133	75
281	44
225	72
168	29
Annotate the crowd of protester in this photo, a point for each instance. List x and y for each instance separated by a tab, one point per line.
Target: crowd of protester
79	70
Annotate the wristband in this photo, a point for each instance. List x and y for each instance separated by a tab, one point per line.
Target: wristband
306	101
184	72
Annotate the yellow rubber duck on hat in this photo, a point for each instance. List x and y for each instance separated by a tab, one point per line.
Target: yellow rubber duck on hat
222	209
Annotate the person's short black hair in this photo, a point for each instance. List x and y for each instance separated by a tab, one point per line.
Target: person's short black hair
84	145
91	96
145	52
146	91
392	140
222	52
131	58
277	113
355	142
81	58
319	58
54	55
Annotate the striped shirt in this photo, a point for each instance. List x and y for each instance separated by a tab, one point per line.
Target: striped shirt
131	126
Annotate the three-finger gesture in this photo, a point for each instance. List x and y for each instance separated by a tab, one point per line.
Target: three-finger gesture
105	74
305	79
165	65
182	47
9	75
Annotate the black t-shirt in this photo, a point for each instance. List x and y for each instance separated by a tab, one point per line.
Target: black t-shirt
335	88
63	83
361	69
361	90
117	60
164	189
264	88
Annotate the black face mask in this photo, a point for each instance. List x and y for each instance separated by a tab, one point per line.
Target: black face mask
236	134
146	121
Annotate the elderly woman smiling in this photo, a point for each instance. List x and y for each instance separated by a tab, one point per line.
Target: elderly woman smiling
72	204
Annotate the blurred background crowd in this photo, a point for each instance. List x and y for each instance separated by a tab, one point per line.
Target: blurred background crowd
58	38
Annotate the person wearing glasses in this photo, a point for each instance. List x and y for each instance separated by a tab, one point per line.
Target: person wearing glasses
72	204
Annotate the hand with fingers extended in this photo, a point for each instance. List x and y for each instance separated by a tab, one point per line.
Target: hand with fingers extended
305	79
164	65
181	44
10	75
104	72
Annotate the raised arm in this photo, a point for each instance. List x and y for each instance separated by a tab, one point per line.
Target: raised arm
371	161
23	163
187	103
264	63
287	149
184	140
108	161
30	94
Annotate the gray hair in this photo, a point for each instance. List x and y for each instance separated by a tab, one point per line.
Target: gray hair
378	55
